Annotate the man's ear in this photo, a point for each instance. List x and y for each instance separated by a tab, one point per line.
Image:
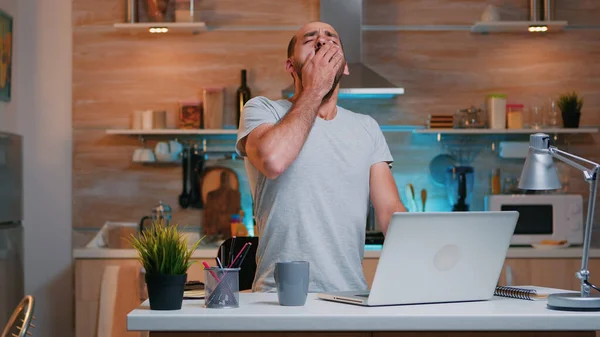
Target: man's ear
289	66
346	71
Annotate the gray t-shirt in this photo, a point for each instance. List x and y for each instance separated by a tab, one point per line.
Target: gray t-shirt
315	210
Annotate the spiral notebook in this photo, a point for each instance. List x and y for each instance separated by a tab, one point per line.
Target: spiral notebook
528	292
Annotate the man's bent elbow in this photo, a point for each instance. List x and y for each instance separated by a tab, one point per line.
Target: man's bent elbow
273	167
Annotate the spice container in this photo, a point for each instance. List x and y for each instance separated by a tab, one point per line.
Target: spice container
514	116
213	101
190	114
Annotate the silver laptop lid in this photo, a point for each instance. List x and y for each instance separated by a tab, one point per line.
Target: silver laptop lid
442	257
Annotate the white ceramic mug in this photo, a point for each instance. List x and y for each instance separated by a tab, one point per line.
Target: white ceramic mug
143	155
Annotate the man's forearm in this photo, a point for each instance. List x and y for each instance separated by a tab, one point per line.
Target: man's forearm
281	144
385	217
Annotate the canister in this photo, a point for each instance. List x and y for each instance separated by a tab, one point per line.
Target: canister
213	101
496	111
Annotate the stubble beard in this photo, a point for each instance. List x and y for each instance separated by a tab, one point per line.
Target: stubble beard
338	76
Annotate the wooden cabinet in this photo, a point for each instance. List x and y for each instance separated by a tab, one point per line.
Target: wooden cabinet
556	273
88	281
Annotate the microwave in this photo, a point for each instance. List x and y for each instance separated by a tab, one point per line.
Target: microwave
542	216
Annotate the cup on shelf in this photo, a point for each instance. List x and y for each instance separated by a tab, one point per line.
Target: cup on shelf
144	155
536	116
168	151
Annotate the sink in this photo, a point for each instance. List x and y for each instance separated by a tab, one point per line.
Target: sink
113	235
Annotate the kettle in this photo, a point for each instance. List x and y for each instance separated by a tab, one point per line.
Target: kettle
160	212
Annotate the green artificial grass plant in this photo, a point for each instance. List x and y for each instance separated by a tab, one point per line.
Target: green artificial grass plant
161	250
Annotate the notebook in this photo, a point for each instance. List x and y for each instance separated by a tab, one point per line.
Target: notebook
193	294
528	292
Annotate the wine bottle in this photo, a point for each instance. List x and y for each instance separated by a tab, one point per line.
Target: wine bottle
243	95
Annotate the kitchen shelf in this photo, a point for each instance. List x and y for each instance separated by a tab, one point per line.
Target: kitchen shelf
171	132
400	128
171	26
208	132
508	131
516	26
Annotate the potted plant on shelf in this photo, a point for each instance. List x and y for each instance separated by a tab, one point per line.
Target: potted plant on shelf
165	256
570	108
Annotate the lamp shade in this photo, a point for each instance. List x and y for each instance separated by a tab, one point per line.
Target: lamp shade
539	171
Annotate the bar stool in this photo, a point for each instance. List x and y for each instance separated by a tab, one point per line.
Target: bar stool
21	319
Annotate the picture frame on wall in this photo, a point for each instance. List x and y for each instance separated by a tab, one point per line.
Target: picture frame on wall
6	47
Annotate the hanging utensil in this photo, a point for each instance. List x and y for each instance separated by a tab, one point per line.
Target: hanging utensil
197	166
184	197
423	198
410	196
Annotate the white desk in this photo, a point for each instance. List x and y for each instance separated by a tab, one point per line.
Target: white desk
260	312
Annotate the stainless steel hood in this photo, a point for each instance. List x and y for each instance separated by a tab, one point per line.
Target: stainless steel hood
346	17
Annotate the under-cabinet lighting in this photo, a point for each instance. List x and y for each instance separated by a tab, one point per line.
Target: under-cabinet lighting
538	29
158	29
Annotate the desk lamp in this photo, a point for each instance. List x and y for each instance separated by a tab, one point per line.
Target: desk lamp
540	173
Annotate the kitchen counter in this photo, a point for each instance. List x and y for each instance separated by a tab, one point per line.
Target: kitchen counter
370	252
261	312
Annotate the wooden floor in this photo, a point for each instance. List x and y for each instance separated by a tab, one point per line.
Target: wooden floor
382	334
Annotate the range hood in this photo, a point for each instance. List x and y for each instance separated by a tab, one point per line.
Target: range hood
346	17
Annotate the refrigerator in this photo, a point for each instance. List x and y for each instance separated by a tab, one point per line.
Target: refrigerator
11	226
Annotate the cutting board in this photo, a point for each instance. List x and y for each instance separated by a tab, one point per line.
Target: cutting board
221	198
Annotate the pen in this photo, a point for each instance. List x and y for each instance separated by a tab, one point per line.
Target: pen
231	248
243	256
210	271
231	265
219	262
222	254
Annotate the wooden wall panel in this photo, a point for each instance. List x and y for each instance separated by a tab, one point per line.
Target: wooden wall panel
438	12
465	12
115	73
444	71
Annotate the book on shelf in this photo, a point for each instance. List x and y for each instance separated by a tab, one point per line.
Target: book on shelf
528	292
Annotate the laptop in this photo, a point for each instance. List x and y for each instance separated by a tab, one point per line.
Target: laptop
437	258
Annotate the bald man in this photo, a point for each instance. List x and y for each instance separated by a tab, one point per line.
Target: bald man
313	166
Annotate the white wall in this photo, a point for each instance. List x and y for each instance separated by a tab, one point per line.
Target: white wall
44	120
8	110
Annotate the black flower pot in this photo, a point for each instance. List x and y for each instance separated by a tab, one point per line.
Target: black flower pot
571	119
165	292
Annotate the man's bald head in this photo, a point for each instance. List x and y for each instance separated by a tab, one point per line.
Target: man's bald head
311	28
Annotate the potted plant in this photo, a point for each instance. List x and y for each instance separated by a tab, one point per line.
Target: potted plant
570	108
165	256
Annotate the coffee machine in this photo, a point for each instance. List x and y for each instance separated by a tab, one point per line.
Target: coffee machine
459	186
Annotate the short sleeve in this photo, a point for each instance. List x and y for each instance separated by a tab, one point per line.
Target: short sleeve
257	111
381	150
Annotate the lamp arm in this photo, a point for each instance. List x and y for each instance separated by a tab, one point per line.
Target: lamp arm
566	157
591	178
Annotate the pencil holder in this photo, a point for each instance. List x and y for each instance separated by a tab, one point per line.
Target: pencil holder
221	287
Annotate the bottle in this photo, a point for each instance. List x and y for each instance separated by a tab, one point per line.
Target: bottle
243	95
237	226
495	181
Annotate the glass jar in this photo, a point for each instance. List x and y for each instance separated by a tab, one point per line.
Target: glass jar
184	10
536	116
551	118
514	116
